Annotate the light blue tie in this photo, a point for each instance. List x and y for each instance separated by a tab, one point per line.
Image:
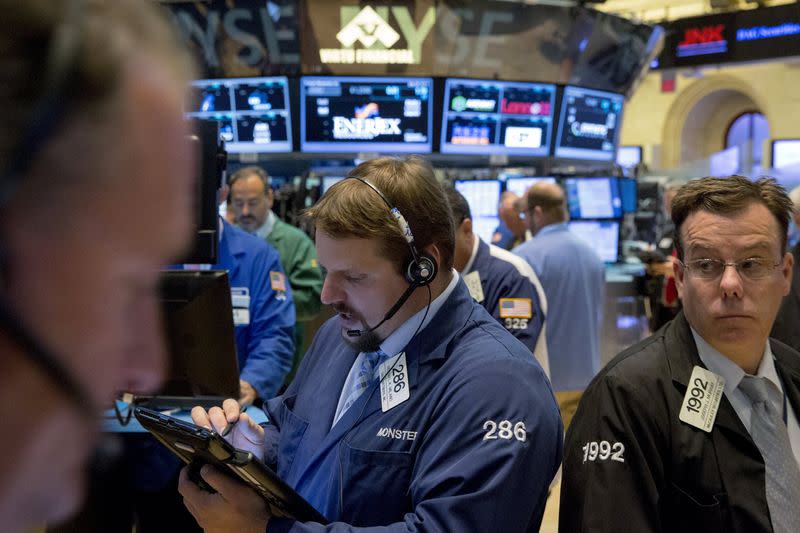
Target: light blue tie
364	377
781	470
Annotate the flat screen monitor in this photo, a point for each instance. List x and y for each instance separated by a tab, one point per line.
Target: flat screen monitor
588	127
330	181
198	322
601	235
519	184
593	198
628	194
342	114
483	197
785	152
496	117
629	156
253	113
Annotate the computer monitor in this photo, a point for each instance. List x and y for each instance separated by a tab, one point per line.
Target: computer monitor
628	193
785	152
253	113
330	181
497	117
593	198
343	114
198	323
601	235
483	197
629	156
589	124
519	184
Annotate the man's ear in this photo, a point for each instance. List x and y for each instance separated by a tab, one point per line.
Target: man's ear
466	226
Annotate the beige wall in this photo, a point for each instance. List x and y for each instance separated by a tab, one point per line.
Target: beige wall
688	124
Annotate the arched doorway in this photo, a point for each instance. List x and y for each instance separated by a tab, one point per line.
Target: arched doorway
700	118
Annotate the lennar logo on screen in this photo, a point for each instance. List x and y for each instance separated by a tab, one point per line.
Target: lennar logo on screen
369	29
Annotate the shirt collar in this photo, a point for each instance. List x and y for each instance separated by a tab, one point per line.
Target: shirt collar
268	226
400	337
468	267
730	371
551	228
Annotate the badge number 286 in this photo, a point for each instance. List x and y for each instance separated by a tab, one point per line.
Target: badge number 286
398	377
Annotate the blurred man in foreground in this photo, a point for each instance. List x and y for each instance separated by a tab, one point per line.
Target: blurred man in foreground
86	222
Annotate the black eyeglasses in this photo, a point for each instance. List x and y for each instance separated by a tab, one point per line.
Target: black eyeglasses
752	268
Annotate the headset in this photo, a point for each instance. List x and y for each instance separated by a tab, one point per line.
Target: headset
419	271
47	116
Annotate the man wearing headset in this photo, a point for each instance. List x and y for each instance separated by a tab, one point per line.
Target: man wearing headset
86	221
427	417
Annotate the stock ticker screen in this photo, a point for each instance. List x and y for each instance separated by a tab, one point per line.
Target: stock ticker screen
492	117
253	113
589	124
366	114
593	198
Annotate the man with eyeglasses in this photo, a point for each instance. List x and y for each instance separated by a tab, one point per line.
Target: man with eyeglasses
695	428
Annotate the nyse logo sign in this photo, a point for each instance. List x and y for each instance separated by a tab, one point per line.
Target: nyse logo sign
368	37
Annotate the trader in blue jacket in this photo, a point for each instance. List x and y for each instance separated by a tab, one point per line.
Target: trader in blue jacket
503	283
413	410
263	312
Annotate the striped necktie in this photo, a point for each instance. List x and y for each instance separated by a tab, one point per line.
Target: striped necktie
366	371
782	473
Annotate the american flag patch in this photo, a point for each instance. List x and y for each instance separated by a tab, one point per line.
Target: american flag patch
277	280
516	308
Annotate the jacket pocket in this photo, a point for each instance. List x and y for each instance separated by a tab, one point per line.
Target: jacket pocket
696	513
292	430
379	482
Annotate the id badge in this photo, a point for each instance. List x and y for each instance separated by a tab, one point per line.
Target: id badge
703	394
394	387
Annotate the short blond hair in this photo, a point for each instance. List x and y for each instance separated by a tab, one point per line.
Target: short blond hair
350	209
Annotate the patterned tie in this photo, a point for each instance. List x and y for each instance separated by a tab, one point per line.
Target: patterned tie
363	378
772	438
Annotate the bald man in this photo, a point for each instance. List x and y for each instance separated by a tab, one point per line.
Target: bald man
573	278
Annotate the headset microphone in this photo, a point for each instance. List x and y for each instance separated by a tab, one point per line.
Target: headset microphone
389	314
419	271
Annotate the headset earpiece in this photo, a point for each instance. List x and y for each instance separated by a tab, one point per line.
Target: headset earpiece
422	271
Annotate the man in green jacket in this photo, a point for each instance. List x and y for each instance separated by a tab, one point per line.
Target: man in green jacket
251	199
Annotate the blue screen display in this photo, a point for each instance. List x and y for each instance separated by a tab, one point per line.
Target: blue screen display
601	236
253	113
389	115
589	125
593	198
494	117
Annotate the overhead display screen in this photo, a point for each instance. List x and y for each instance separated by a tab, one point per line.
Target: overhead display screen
492	117
483	197
366	114
601	236
589	124
520	184
593	198
253	113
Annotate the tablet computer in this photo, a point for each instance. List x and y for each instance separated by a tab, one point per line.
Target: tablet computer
197	446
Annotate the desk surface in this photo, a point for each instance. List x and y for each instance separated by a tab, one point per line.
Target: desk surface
112	425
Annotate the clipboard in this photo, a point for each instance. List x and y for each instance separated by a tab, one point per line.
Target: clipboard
197	446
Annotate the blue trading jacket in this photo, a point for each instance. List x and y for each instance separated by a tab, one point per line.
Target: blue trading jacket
474	448
266	345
